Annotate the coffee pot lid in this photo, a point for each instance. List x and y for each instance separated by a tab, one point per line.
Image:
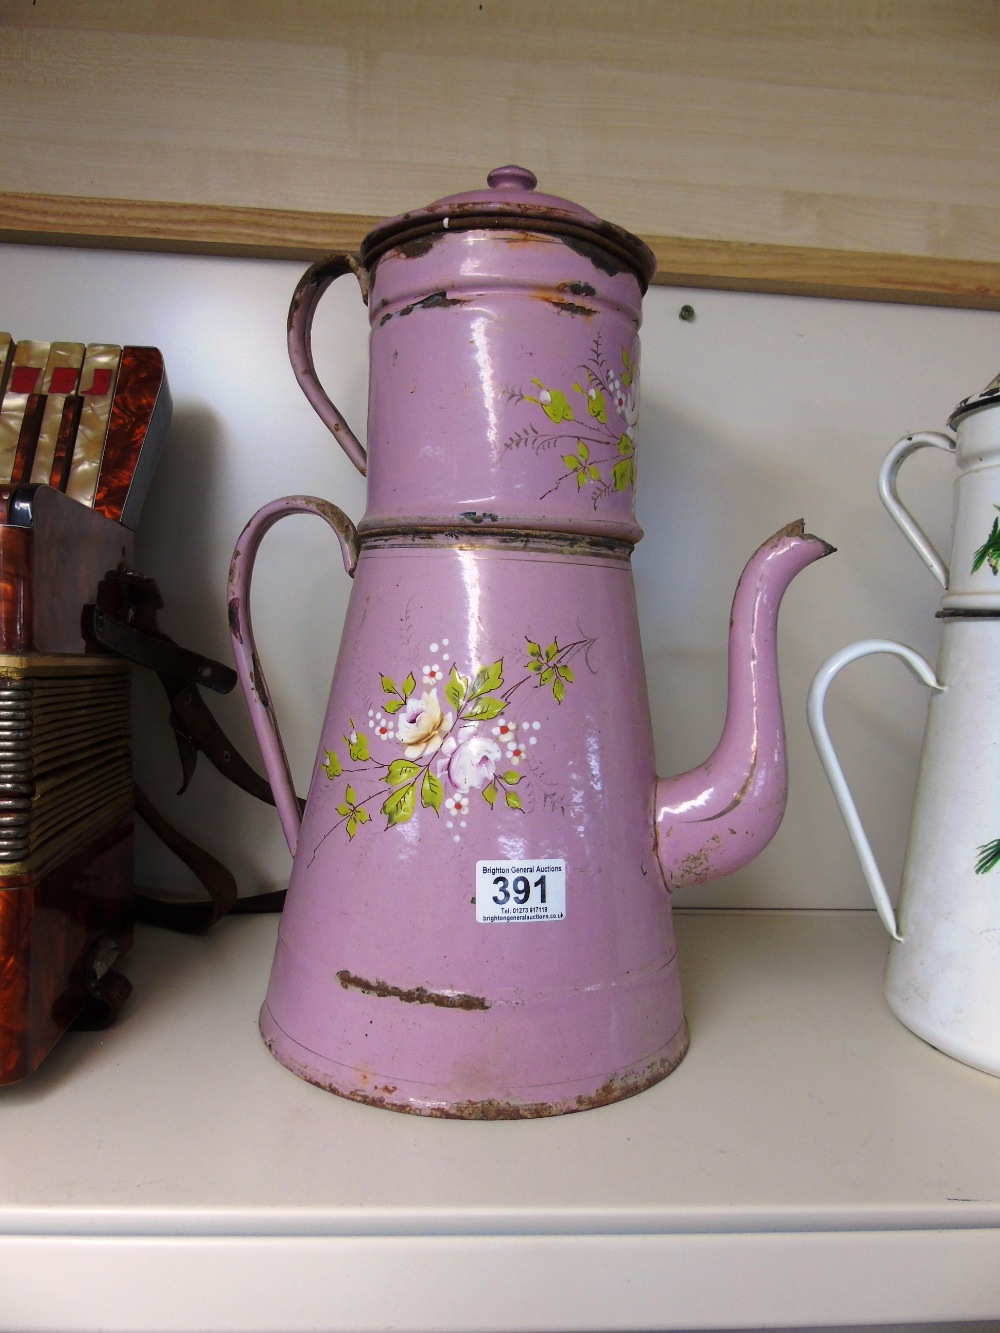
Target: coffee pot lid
510	202
989	397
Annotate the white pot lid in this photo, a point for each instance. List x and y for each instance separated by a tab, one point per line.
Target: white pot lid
990	397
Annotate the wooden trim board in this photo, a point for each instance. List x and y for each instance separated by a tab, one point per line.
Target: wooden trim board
264	233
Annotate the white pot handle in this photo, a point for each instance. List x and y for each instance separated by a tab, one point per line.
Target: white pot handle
902	517
835	774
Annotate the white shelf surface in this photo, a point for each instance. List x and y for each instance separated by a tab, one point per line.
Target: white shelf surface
811	1162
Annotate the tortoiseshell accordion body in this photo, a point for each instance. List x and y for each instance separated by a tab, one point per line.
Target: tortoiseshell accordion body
70	492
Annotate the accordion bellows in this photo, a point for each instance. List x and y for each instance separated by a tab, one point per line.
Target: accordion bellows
65	753
80	429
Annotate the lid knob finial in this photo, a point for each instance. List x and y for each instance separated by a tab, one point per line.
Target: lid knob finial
511	178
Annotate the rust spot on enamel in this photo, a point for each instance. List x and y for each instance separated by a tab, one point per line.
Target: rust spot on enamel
577	288
569	307
436	301
419	246
234	619
257	682
411	995
615	1089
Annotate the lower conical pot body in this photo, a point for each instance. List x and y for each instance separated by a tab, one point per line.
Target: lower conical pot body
943	976
476	923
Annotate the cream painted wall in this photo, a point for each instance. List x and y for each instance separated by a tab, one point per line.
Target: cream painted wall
760	410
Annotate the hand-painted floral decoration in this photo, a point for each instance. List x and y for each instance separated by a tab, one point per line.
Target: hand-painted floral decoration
437	744
989	552
598	416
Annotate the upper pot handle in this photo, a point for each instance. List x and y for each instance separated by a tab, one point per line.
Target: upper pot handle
828	757
311	287
265	724
904	520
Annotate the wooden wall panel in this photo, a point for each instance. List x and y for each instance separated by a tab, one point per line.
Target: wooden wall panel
801	130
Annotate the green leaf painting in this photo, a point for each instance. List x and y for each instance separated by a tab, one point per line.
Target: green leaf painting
399	806
481	710
989	552
400	770
431	791
989	857
457	688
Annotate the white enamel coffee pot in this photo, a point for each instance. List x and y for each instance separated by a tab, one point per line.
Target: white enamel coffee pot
943	974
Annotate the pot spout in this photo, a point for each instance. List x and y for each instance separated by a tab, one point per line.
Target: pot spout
714	819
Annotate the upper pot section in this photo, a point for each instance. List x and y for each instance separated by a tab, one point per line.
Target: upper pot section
990	397
511	202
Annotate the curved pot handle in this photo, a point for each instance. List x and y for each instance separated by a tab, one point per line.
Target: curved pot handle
902	517
248	666
311	287
835	774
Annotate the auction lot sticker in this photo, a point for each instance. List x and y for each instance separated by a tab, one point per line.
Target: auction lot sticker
520	891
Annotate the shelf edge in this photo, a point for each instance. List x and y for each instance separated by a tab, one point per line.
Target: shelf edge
269	233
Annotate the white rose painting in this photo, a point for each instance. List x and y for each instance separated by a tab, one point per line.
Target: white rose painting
421	726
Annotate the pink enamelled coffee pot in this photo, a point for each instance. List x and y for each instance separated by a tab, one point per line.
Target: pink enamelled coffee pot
478	921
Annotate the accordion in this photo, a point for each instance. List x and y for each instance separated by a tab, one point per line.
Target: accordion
80	428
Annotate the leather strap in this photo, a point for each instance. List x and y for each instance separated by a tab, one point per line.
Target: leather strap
194	917
155	650
123	622
194	724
